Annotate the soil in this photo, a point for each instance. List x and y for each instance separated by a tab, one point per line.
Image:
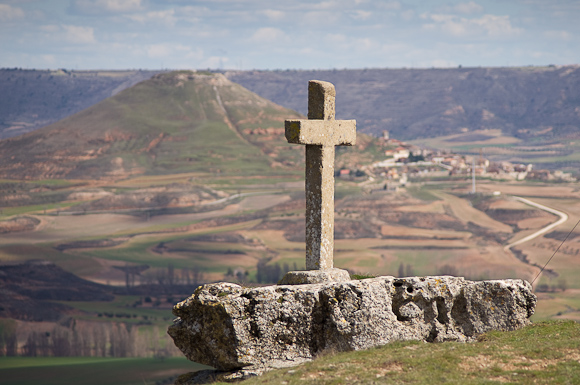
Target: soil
19	224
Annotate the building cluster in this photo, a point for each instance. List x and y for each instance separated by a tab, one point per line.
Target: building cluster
405	161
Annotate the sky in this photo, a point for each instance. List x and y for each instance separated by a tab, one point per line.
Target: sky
287	34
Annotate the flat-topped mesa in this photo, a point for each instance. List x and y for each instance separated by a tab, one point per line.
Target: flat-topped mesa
320	133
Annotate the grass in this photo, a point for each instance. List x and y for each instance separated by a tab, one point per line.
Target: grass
121	310
556	304
90	371
422	193
543	353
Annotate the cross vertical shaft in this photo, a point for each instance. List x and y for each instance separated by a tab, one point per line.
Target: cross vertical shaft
319	183
320	133
319	207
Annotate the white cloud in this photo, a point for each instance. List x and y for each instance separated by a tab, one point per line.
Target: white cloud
468	8
319	18
491	25
48	59
51	28
74	34
393	5
268	35
158	50
166	17
9	13
497	26
175	52
325	5
408	14
100	7
343	43
214	62
273	14
79	35
441	63
361	15
561	35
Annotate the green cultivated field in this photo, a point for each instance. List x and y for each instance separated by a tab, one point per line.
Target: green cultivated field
91	371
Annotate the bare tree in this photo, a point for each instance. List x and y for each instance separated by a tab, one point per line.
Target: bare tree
30	348
170	275
61	344
448	270
11	344
100	340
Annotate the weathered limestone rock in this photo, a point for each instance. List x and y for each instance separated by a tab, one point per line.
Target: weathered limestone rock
304	277
230	327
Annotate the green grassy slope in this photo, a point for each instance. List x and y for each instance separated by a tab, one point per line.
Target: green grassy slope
543	353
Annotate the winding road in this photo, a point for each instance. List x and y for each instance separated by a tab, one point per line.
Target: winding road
563	218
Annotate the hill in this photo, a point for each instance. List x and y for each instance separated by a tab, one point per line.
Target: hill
31	99
27	291
529	103
544	353
175	122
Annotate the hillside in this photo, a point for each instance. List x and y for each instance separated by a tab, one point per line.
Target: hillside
31	99
175	122
544	353
27	291
529	103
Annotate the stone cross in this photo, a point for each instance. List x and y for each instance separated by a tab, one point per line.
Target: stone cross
320	133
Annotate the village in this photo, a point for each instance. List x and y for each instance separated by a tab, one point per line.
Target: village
405	162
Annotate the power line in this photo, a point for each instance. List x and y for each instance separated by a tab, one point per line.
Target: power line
555	251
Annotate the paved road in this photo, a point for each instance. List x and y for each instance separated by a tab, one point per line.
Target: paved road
563	218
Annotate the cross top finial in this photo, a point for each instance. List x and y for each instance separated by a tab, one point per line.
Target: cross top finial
320	133
321	100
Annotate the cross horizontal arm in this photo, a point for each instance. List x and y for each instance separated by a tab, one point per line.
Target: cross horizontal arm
321	132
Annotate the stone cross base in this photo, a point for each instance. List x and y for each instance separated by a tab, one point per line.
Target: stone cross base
240	331
314	276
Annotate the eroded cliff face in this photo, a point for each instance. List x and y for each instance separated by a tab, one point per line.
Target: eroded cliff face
230	327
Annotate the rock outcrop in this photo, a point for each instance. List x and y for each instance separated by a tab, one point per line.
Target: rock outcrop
231	327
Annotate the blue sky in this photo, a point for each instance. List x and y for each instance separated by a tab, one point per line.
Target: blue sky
286	34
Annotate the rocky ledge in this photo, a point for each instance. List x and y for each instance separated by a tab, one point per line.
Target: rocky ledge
243	331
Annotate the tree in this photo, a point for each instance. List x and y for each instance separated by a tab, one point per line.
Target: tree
562	284
61	344
448	270
170	275
401	273
30	349
11	344
267	273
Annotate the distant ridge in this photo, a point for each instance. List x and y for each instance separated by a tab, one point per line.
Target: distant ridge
31	99
175	122
529	103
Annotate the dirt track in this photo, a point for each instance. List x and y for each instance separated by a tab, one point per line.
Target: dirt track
563	218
